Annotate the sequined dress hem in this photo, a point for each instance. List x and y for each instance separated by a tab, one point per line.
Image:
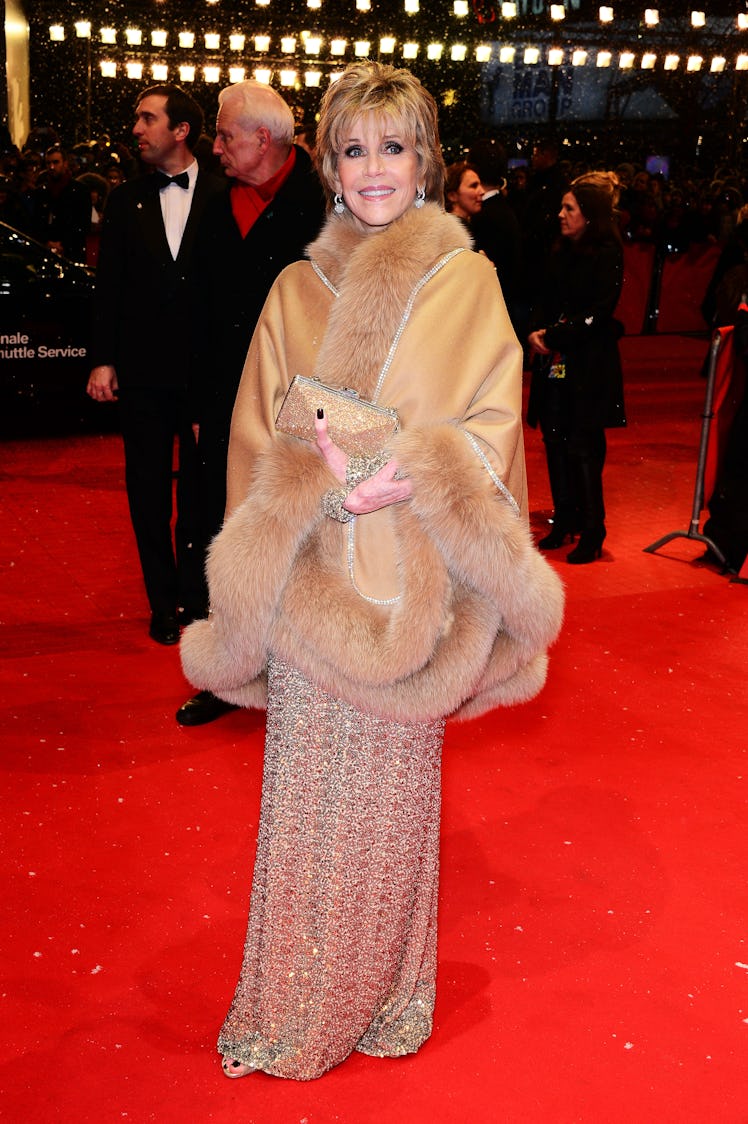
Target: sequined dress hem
341	942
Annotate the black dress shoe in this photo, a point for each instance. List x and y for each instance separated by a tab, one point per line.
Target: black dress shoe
201	708
556	538
164	628
588	549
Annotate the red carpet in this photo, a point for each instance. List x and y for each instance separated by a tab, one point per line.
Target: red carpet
594	951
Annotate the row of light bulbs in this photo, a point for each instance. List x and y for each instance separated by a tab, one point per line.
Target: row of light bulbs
556	56
484	52
508	10
461	8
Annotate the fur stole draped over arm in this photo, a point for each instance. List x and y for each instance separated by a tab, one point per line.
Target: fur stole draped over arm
227	652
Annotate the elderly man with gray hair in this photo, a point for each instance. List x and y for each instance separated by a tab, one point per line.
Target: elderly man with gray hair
271	210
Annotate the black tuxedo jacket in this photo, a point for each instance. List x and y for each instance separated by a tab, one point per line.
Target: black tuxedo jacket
143	303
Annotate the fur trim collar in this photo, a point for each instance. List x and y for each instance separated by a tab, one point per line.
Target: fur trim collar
378	273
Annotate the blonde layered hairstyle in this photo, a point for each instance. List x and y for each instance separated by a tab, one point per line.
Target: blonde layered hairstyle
390	94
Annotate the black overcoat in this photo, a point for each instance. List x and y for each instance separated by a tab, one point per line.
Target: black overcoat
576	306
234	274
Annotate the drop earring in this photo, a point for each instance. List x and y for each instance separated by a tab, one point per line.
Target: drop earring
338	204
420	198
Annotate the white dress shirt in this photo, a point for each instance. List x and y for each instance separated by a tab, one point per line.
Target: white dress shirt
175	208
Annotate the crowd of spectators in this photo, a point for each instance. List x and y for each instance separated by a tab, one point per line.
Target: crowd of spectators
674	213
57	194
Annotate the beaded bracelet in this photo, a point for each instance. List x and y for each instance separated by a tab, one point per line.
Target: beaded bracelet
332	505
363	468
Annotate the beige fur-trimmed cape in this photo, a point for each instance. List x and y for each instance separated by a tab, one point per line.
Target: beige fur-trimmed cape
440	605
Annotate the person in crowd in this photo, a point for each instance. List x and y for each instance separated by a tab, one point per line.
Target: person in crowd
78	160
625	173
674	230
206	156
495	228
113	174
577	383
64	207
643	215
539	222
728	202
272	208
105	152
306	137
546	187
98	190
728	285
26	207
363	597
516	193
40	138
11	211
645	222
463	192
142	343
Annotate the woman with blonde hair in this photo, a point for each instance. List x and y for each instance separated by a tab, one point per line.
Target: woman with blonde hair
363	596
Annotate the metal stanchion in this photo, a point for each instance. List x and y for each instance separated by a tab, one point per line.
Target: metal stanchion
698	493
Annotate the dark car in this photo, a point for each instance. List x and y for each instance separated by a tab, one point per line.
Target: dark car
45	312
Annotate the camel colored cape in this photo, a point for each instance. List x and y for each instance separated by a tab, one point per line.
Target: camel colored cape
437	606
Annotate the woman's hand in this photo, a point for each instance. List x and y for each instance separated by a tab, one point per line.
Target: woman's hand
536	341
337	461
380	490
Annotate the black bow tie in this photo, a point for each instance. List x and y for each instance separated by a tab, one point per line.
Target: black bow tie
162	180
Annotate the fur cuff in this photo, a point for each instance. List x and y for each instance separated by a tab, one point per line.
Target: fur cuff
248	566
485	544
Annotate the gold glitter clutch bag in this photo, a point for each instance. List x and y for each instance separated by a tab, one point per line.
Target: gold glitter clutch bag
355	425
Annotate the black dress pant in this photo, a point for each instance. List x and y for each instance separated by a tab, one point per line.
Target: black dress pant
212	451
212	456
172	566
575	454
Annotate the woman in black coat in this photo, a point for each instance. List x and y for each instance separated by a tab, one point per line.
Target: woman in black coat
577	384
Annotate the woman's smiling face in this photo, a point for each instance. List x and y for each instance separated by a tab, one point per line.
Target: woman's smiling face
377	172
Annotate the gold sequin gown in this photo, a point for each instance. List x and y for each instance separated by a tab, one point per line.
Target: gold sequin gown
341	944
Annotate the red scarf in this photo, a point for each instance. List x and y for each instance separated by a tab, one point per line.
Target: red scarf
249	201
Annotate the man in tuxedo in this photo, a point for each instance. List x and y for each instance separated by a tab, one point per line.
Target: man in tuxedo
143	335
495	228
272	208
